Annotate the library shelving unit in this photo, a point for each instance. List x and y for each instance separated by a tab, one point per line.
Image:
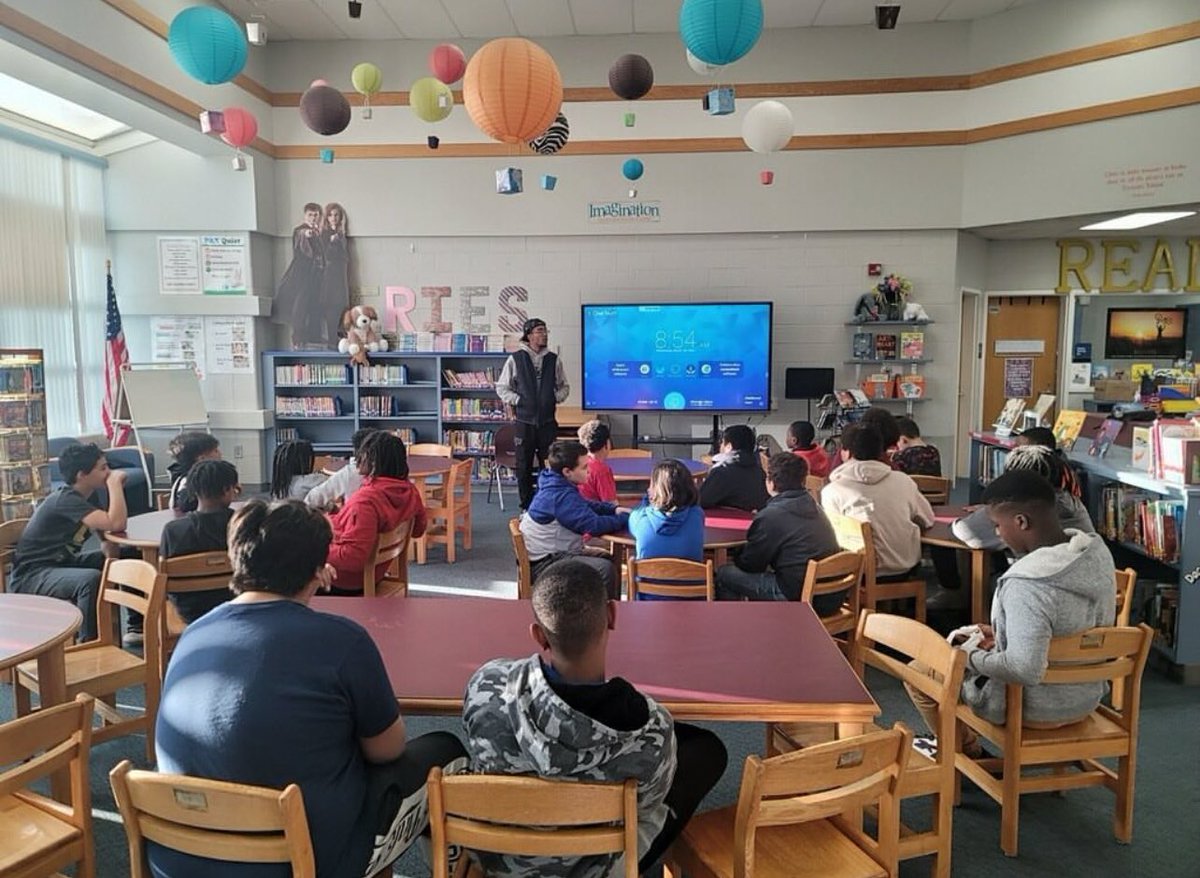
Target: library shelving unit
896	330
24	462
471	412
988	453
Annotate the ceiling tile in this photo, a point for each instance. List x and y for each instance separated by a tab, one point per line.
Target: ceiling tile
968	10
375	23
656	16
427	20
480	18
302	19
541	18
837	13
606	17
790	13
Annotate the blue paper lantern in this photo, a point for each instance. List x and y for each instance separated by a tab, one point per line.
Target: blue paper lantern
633	169
208	44
720	31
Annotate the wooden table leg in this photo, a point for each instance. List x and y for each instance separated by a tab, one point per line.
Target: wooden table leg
979	577
52	690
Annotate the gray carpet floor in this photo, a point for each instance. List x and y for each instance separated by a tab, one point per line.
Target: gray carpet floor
1068	835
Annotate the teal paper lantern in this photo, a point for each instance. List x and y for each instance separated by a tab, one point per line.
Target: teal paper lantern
720	31
208	44
633	169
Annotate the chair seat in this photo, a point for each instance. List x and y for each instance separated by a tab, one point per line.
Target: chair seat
86	667
28	834
1096	729
816	849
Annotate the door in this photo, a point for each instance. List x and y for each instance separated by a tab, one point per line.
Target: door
1026	329
968	378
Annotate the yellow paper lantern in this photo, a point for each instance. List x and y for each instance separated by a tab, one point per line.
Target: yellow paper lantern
431	99
512	90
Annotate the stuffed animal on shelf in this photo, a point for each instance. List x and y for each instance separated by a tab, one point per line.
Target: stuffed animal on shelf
363	334
867	307
913	311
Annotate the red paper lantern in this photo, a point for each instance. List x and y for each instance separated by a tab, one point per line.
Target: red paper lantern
240	127
448	63
512	90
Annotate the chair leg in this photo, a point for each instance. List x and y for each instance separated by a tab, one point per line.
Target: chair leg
943	816
1123	812
22	697
1010	804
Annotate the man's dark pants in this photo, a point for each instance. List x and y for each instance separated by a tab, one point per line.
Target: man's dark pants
532	440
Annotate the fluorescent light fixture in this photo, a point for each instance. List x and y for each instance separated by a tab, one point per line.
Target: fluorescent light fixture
1137	220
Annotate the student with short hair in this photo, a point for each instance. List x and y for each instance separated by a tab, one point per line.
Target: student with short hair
557	714
736	478
264	690
559	516
668	522
784	536
49	559
215	486
187	449
345	481
600	484
801	441
293	470
914	455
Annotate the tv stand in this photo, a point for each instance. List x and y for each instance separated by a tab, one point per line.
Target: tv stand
712	440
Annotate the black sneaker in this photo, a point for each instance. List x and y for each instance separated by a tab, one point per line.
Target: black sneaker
926	745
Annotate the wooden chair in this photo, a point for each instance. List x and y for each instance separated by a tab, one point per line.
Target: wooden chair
841	572
101	667
814	484
162	499
1126	580
504	455
796	815
935	489
524	574
531	815
1072	752
38	835
230	822
449	514
203	571
630	452
670	577
856	536
391	548
431	449
10	535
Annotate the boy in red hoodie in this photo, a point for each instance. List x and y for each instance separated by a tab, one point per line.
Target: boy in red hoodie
801	441
385	499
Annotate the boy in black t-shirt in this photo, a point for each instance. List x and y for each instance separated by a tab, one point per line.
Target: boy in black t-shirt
214	483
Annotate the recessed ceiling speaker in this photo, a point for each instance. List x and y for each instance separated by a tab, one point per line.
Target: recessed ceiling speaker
886	15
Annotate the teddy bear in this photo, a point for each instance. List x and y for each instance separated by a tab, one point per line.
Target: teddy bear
363	333
913	311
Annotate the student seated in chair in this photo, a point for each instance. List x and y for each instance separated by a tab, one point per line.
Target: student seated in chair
913	454
559	715
559	516
385	499
334	490
49	559
214	483
1060	584
784	536
264	690
187	449
736	478
600	484
801	441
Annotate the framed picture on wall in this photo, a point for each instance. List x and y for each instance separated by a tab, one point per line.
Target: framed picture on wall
1146	334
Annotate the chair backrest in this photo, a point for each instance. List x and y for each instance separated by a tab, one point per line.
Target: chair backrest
460	481
230	822
431	449
137	586
671	577
532	816
202	571
325	463
630	452
505	444
391	548
840	572
935	489
44	742
1126	579
814	484
10	535
524	574
824	781
855	536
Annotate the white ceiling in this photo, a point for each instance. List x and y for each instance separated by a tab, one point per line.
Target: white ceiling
20	101
1069	226
485	19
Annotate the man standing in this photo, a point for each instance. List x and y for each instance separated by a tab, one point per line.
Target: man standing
533	383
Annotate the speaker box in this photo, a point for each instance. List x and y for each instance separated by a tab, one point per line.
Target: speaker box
807	383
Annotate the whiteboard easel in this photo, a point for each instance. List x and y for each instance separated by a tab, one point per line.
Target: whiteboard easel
159	396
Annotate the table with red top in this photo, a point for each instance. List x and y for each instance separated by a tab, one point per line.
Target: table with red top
941	535
737	660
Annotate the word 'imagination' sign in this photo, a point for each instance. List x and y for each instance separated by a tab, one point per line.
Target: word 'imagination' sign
624	211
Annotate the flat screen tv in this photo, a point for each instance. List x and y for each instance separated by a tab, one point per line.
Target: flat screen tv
1146	333
710	357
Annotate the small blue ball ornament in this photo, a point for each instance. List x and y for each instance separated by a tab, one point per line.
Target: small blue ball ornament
208	44
633	169
720	31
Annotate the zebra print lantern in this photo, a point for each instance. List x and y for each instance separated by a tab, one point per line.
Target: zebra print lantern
553	138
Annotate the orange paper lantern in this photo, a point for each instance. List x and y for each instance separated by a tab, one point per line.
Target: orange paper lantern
512	90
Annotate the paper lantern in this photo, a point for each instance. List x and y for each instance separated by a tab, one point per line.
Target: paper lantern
327	156
208	44
701	67
768	127
240	127
633	169
630	77
366	78
720	31
553	138
549	181
431	99
512	90
325	110
448	63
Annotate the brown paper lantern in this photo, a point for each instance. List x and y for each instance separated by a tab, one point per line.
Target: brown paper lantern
512	90
325	110
630	77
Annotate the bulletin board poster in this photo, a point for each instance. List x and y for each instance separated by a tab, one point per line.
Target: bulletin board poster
224	264
230	345
1018	377
178	340
178	266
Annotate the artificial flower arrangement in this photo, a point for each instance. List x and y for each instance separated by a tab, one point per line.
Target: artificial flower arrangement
886	301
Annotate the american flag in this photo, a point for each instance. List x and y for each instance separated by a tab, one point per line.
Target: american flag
116	355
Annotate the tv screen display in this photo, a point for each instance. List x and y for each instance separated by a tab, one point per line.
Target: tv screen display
1146	333
677	357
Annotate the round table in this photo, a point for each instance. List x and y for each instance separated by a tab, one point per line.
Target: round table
718	540
635	469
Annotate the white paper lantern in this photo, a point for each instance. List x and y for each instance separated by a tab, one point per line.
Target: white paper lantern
701	67
768	127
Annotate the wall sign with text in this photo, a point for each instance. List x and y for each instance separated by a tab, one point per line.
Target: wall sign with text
1123	265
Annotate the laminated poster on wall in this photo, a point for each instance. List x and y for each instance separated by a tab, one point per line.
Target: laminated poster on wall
224	265
1018	376
229	345
178	340
178	266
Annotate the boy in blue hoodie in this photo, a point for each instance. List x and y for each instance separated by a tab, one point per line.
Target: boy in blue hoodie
559	516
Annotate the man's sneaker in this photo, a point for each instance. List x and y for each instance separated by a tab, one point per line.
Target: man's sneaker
926	745
132	638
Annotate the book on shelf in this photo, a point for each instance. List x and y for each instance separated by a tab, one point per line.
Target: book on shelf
827	420
479	380
1105	436
910	386
308	406
1165	433
845	399
860	398
1080	377
470	441
1143	519
314	374
912	345
1041	408
991	462
1141	449
476	410
1068	427
863	346
885	346
378	374
1007	420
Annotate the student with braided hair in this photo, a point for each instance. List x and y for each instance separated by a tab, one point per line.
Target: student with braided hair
292	472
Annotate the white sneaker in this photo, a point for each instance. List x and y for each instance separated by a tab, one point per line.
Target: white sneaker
133	638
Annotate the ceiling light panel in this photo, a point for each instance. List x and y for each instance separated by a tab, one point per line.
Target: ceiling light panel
1137	220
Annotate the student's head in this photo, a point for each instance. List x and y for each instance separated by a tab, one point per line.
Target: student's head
571	610
786	472
737	437
193	445
595	436
1021	504
885	422
1037	459
214	482
1043	436
862	441
312	214
359	437
278	547
569	458
800	434
382	456
292	459
83	465
910	433
672	486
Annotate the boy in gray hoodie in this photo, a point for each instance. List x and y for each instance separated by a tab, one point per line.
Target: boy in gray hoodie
1061	583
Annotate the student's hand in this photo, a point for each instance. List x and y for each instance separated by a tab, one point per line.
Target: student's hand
325	577
989	637
116	477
